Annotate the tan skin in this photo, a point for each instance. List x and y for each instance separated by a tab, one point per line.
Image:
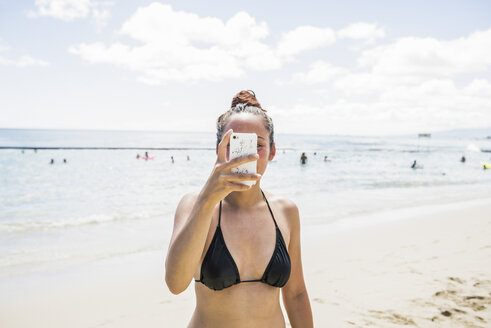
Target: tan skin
249	234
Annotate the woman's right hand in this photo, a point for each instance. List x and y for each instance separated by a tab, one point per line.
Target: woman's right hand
194	214
222	181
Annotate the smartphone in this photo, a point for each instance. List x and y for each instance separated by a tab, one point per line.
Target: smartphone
244	144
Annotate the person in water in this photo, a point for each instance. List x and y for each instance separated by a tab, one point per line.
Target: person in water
414	165
303	158
239	243
462	159
52	161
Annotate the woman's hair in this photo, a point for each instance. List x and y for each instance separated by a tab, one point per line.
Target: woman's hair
245	102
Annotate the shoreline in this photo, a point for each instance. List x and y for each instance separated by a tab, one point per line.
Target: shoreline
389	216
404	272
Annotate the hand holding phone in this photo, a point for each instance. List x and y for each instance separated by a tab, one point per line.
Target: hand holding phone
244	144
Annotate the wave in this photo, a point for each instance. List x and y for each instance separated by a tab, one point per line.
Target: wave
36	257
473	148
72	222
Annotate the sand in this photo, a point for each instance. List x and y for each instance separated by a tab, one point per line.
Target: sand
429	268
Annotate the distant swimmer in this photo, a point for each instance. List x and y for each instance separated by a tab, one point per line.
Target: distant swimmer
462	159
172	159
486	166
147	157
64	160
188	157
315	153
137	156
326	159
52	161
303	158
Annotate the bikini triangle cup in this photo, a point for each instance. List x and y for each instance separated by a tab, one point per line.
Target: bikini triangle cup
219	271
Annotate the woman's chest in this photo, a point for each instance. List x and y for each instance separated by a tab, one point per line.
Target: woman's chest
252	240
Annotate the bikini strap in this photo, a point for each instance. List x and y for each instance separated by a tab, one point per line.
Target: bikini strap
276	225
220	214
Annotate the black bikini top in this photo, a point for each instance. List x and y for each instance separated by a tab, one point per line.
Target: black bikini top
219	271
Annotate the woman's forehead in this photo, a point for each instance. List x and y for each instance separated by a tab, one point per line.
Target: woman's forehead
246	122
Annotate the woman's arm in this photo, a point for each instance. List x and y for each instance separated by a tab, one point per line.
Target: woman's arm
295	296
193	217
191	224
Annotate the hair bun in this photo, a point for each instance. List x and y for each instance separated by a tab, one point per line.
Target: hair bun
247	97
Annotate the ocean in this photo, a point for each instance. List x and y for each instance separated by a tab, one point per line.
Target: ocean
105	203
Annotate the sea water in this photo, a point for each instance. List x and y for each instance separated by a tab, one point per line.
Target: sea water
107	203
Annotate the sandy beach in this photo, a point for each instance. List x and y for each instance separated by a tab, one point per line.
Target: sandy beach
431	268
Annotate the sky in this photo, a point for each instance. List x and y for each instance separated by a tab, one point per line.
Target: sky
318	67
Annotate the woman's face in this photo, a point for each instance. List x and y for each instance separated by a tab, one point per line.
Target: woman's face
250	123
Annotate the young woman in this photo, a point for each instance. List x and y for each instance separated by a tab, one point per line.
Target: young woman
240	244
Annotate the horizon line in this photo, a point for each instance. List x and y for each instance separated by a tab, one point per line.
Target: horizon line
277	133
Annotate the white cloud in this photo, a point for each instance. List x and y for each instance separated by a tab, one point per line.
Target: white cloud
181	46
410	61
319	72
23	61
431	106
443	101
69	10
308	38
409	85
362	31
362	83
304	38
416	59
406	86
479	88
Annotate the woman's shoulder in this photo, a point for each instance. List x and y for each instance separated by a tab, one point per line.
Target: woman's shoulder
187	201
190	196
280	201
286	206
